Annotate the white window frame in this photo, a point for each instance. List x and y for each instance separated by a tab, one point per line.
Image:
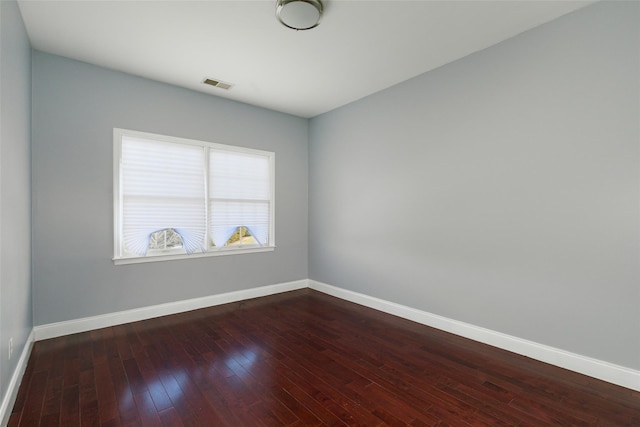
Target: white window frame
173	254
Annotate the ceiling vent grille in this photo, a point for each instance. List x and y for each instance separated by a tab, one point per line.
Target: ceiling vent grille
217	83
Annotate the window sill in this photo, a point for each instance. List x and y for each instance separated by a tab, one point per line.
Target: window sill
219	252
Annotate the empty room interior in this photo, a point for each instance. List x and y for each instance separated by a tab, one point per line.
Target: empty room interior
305	212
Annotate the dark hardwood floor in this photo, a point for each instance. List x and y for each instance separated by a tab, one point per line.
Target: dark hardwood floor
301	359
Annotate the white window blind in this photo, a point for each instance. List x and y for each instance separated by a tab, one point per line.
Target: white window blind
163	186
239	194
202	191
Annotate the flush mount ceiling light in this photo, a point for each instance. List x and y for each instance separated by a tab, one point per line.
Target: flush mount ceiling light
299	14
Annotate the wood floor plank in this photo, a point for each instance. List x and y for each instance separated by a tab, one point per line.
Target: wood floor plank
146	408
70	409
170	418
108	407
52	398
32	409
301	358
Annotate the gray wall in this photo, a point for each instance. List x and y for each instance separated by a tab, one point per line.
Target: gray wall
75	108
15	189
500	190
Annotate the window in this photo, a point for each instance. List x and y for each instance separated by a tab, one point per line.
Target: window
176	197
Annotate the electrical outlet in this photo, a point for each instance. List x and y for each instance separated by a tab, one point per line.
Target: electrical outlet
10	347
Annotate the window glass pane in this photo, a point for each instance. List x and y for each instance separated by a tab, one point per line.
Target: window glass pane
165	239
242	236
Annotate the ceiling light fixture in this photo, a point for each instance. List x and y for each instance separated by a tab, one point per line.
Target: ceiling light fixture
299	14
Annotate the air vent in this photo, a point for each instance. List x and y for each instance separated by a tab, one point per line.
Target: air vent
217	83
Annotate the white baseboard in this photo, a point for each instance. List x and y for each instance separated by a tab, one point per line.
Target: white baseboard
595	368
68	327
6	406
620	375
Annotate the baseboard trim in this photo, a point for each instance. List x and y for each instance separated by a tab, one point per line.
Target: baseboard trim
595	368
9	398
68	327
615	374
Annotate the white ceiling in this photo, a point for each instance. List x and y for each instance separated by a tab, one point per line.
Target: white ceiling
359	48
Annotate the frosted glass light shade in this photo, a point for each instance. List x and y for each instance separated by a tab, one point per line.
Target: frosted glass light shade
299	14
